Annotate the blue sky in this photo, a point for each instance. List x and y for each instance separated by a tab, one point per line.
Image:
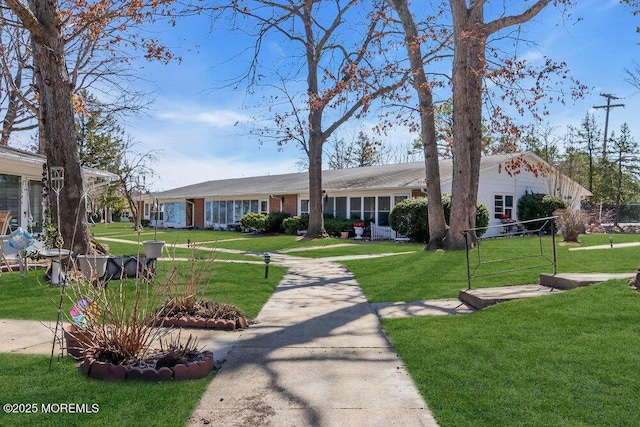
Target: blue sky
193	119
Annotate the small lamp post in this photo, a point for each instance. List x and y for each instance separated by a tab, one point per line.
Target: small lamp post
611	241
267	260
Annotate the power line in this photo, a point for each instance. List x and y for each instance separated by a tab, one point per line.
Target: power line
609	106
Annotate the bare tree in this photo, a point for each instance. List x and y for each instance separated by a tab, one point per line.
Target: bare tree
44	21
337	48
17	98
133	172
423	88
99	41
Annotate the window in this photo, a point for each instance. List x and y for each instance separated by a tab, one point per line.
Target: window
355	204
222	218
397	198
35	206
341	208
503	206
369	209
153	215
229	212
10	195
384	207
175	213
328	205
146	210
264	206
304	206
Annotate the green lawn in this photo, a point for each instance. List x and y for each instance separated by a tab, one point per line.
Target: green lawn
27	380
565	359
568	359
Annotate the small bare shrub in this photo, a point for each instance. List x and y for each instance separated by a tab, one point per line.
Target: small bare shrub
572	223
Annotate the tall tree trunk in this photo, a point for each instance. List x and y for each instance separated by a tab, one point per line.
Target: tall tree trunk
468	67
437	224
57	118
316	219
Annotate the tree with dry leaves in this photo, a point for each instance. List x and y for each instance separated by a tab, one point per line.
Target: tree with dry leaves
515	85
50	28
471	32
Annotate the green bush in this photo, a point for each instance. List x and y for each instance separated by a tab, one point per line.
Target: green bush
274	222
334	226
410	217
292	224
538	205
254	220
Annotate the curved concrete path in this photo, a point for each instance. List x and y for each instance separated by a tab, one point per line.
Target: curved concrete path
316	357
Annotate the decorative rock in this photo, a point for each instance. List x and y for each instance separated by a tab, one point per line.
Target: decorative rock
165	374
182	322
108	371
242	323
181	372
230	325
85	366
134	373
203	323
220	324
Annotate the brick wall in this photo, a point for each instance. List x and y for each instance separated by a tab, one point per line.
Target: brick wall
274	204
198	213
291	204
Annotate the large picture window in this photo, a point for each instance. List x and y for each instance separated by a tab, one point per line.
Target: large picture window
230	211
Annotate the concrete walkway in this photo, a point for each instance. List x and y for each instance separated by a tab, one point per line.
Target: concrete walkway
316	357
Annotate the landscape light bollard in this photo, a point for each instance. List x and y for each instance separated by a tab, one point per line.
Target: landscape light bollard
611	241
267	260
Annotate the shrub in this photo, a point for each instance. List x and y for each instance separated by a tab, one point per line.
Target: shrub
410	217
253	220
293	224
572	223
274	222
482	214
538	205
333	226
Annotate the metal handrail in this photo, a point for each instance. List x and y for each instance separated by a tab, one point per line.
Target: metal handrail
548	221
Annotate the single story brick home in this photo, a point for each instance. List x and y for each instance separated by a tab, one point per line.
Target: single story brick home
21	186
367	193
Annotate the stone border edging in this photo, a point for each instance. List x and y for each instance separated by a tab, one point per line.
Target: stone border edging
109	372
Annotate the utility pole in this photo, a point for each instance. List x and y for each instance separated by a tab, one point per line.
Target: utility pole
609	106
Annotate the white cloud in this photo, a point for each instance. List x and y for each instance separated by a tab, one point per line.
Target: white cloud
215	118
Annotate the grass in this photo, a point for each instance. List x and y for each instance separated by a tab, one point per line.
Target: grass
564	359
433	275
26	379
31	298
